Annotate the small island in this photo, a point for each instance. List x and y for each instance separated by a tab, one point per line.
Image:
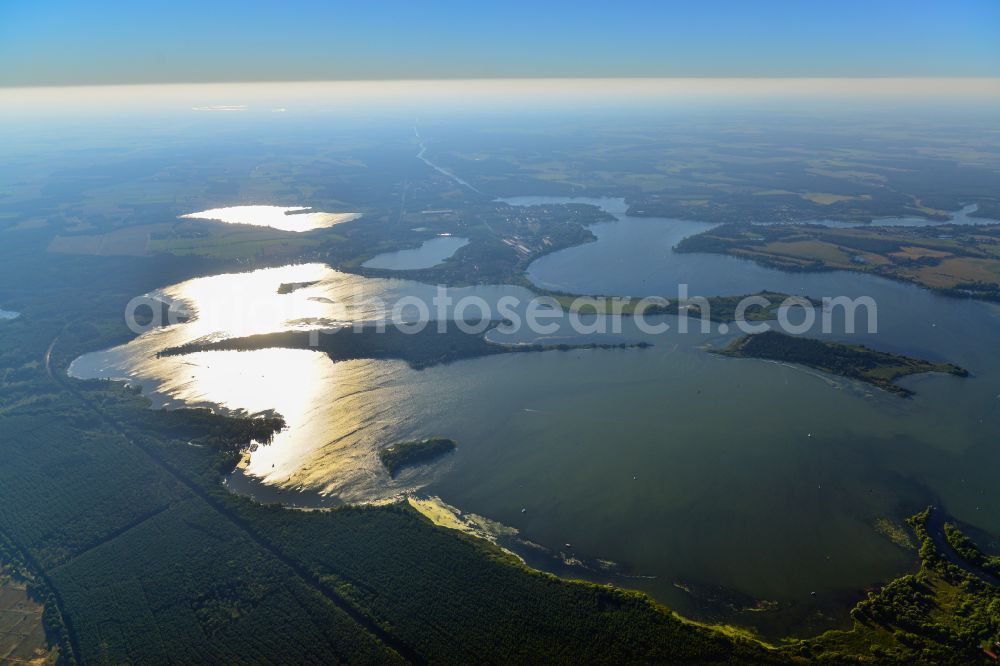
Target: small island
874	367
408	454
289	287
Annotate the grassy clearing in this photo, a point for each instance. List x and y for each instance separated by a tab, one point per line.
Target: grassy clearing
22	632
810	249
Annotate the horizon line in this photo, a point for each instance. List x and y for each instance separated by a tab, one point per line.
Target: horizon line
781	77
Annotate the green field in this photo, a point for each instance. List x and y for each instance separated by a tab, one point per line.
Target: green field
961	261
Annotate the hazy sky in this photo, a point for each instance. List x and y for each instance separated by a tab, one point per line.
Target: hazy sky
57	42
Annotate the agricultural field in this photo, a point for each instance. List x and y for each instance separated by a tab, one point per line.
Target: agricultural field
762	170
950	259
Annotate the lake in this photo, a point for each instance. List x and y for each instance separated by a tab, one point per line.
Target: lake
962	216
710	483
430	253
285	218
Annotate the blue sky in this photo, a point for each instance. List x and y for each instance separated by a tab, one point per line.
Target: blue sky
71	42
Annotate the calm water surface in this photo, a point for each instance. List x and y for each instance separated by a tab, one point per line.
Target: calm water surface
430	253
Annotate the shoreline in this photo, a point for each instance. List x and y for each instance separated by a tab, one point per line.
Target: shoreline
300	499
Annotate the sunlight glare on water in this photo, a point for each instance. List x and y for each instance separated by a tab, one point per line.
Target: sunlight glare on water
285	218
329	407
